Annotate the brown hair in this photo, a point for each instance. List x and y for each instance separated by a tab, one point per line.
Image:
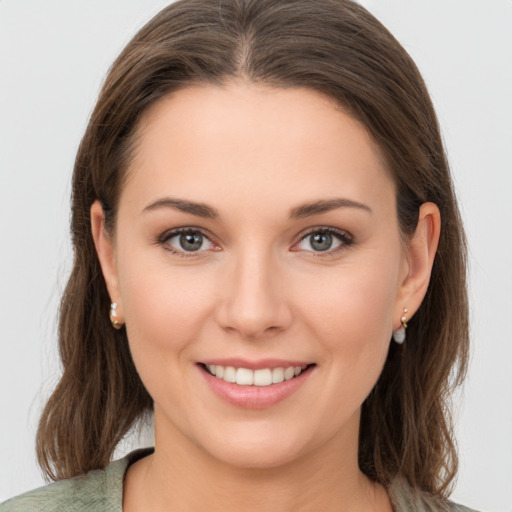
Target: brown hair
337	48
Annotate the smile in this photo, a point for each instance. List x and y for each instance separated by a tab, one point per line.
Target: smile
255	384
247	377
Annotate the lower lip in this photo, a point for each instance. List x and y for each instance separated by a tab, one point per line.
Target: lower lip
254	397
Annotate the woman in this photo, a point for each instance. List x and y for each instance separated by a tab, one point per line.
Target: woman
269	256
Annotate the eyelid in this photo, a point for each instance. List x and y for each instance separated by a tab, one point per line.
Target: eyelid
342	235
171	233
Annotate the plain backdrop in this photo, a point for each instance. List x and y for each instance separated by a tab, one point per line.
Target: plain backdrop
53	57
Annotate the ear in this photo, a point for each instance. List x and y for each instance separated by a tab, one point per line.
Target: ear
420	253
106	253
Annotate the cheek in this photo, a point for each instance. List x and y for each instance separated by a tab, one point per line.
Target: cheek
164	312
352	310
164	309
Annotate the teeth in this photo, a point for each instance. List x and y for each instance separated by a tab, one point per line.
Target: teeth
229	374
246	377
277	375
289	373
262	377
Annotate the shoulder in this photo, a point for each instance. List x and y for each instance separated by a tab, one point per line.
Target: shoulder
87	492
405	498
98	491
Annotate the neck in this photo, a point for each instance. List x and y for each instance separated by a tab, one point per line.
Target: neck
181	475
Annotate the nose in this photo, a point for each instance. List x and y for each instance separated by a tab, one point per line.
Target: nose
254	303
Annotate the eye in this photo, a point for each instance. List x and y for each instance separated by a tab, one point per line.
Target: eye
323	240
186	241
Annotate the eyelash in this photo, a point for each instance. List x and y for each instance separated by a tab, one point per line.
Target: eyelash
168	235
343	236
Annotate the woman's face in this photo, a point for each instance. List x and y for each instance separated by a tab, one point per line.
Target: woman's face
257	229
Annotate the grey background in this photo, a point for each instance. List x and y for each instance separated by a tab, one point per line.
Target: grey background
53	57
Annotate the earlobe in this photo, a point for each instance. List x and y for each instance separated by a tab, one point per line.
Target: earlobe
421	252
105	249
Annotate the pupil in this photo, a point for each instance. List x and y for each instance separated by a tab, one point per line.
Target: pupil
191	241
321	241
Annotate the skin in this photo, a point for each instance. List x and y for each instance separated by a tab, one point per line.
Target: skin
258	289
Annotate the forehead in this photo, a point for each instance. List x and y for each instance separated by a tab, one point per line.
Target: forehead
253	141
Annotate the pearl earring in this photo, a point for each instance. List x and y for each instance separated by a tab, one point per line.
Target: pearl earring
399	334
113	316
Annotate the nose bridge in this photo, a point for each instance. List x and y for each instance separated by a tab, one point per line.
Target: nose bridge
253	302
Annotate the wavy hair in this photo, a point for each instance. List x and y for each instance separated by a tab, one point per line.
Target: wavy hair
334	47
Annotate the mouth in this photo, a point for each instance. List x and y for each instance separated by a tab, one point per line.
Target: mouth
262	377
255	384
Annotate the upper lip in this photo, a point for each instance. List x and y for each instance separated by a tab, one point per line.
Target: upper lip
256	365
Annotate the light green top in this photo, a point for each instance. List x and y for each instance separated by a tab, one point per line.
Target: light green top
102	491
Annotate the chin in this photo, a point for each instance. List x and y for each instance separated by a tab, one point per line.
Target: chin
257	457
260	448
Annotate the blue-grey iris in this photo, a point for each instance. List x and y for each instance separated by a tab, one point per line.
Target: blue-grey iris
321	241
191	241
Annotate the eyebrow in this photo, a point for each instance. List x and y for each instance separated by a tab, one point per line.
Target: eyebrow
300	212
325	205
198	209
